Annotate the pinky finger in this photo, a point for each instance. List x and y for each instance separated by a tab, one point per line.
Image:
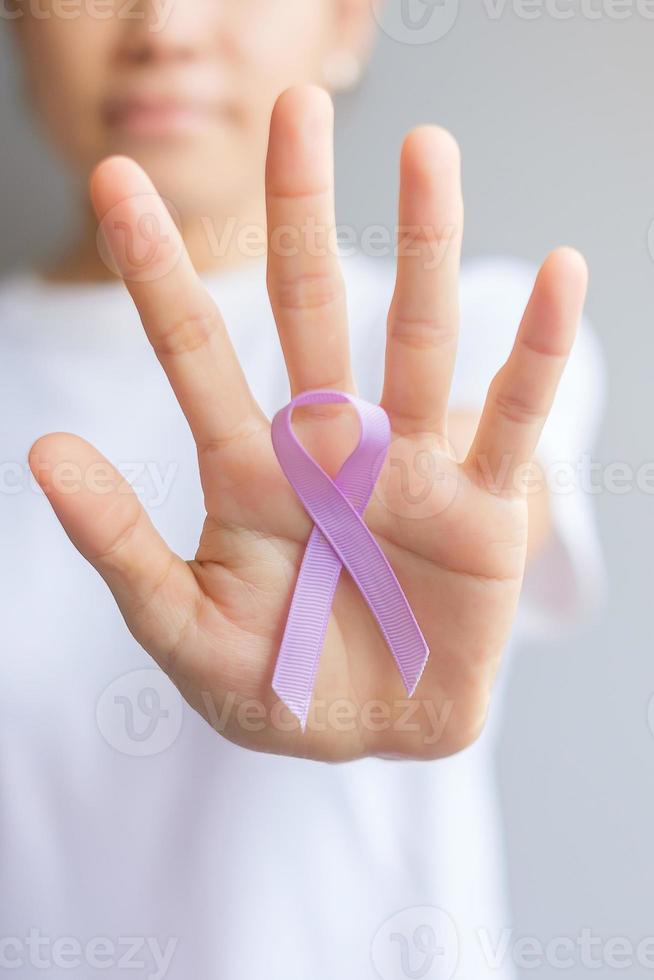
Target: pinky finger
154	588
521	394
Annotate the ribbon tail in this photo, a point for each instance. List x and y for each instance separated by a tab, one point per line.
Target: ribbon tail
355	545
306	626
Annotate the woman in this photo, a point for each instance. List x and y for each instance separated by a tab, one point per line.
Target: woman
142	823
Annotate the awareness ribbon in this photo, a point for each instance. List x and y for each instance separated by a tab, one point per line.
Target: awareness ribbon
339	538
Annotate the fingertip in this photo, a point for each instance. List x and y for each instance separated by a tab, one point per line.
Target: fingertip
568	263
430	179
557	301
48	445
35	456
432	136
138	236
53	449
300	101
428	147
300	147
115	178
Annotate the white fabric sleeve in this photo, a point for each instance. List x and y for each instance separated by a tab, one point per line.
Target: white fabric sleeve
567	579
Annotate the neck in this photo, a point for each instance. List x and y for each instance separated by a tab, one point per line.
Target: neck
214	242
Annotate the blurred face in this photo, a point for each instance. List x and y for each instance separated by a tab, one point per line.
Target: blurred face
185	87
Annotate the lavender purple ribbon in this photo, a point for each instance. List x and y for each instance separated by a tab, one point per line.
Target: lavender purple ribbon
339	538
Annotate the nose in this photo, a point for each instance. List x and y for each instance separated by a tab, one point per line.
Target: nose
165	30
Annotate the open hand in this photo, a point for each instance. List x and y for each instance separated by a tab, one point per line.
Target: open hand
214	623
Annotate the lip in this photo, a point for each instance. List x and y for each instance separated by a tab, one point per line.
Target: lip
138	115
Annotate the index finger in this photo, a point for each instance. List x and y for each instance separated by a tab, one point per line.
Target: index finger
180	318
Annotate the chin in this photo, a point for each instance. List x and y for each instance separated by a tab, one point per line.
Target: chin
197	175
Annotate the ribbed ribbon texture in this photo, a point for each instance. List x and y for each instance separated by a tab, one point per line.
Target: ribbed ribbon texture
339	538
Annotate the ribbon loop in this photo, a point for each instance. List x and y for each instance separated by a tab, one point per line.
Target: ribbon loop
339	538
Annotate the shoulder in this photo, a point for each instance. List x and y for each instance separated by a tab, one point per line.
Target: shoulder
17	314
16	289
26	305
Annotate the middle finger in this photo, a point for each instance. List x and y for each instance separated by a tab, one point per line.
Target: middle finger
305	282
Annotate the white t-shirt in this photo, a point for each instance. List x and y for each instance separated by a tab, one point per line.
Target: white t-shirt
134	837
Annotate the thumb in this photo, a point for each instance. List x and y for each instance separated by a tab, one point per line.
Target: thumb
155	589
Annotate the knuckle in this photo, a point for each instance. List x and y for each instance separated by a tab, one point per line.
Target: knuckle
428	244
307	291
237	436
543	349
109	556
421	333
516	408
186	335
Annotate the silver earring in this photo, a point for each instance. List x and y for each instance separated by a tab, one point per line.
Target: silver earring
341	71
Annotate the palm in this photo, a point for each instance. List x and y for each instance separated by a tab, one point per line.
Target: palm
456	543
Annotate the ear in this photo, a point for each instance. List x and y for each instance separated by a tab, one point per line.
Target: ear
354	31
356	27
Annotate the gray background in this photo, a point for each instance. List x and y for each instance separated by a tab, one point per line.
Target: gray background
555	124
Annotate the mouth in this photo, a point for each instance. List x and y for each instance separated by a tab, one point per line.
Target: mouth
139	116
